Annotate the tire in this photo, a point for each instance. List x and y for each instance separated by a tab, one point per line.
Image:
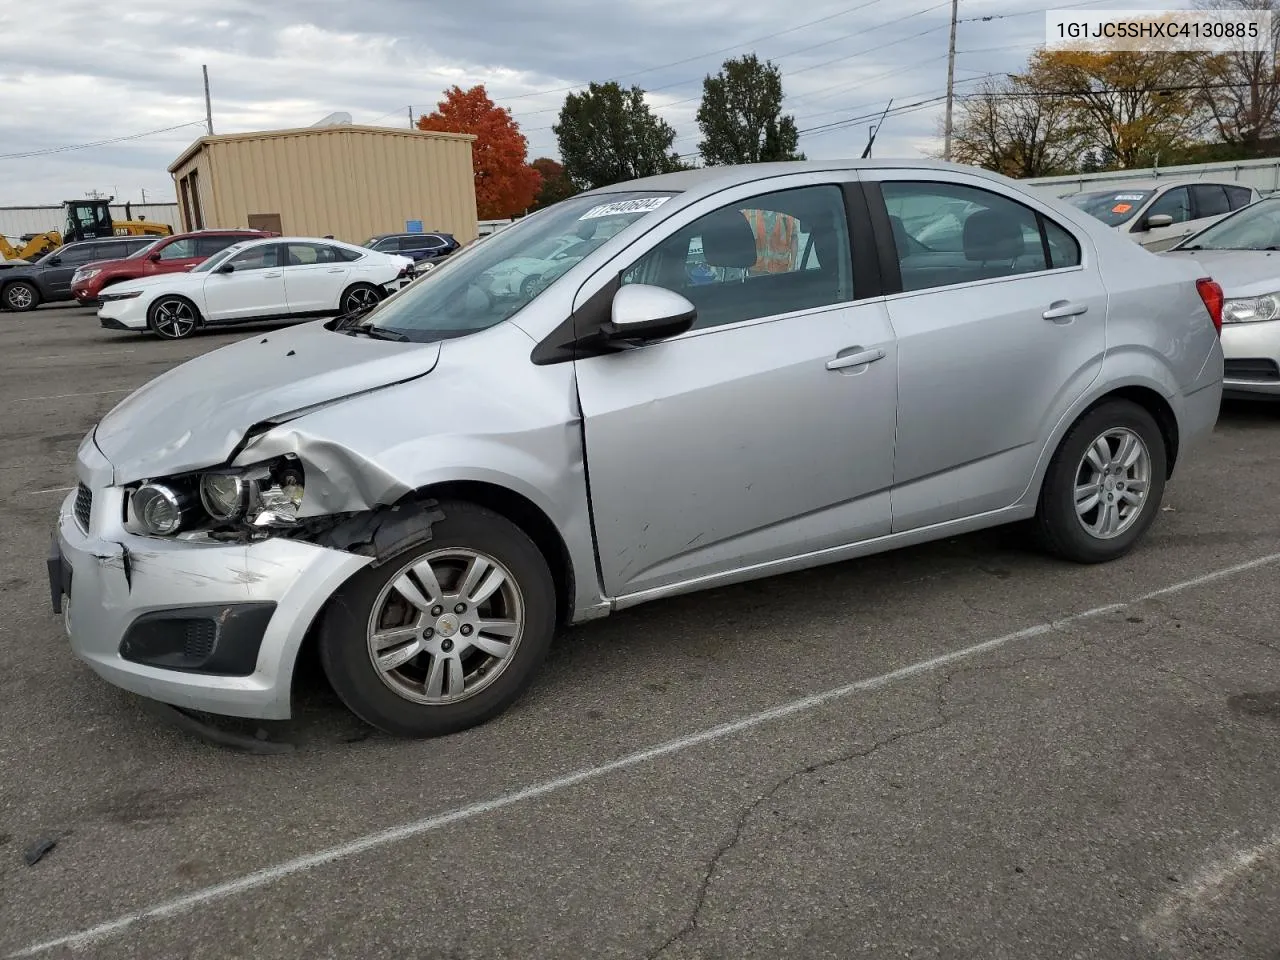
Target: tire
1077	529
529	286
21	296
431	636
358	298
173	318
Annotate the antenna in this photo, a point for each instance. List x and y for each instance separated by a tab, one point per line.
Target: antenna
872	131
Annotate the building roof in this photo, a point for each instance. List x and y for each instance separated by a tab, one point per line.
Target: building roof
344	129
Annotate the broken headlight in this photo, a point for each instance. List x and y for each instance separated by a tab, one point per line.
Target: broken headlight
264	495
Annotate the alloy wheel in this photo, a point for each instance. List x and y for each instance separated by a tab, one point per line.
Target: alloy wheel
361	299
174	318
446	626
19	297
1112	483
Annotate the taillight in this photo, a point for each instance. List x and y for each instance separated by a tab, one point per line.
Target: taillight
1211	293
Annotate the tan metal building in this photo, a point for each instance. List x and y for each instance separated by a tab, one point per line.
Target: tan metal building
351	182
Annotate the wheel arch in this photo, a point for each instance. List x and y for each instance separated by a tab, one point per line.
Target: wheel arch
507	503
28	281
526	515
1145	393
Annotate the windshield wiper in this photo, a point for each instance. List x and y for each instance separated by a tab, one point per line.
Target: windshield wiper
376	333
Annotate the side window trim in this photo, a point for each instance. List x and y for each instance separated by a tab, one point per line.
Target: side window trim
886	244
744	205
570	340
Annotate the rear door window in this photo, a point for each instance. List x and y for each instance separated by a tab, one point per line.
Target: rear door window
1211	200
949	233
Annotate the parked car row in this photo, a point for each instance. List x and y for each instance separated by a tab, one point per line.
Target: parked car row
755	370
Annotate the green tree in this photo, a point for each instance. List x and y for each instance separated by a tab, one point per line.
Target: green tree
741	115
556	185
608	135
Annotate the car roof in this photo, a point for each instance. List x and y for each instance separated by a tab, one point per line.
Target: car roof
1162	183
733	174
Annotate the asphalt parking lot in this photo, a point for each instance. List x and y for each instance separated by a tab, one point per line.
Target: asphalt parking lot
961	750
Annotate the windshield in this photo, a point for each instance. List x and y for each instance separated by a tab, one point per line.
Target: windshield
1112	207
218	259
489	282
1255	227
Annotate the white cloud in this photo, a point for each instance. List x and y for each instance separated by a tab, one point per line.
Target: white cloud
291	62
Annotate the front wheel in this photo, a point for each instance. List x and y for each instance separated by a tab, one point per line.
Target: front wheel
446	635
1104	485
173	318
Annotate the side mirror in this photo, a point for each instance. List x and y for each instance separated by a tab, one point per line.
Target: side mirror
1159	220
643	312
55	261
227	268
154	258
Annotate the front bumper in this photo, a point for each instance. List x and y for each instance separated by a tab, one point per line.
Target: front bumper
123	314
111	585
1252	352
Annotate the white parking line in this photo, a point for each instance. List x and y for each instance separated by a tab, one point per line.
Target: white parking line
33	493
65	396
414	828
78	356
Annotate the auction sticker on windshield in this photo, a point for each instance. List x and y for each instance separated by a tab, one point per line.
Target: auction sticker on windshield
1128	196
639	205
1122	208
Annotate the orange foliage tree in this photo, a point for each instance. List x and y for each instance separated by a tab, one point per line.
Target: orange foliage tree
505	183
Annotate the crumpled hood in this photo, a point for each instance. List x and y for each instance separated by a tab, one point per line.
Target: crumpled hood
196	414
1240	273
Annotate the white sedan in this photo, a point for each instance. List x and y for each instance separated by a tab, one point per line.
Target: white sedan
280	278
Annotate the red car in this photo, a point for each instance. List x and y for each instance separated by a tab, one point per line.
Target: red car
174	254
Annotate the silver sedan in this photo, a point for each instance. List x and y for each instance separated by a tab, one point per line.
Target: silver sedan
1242	251
761	369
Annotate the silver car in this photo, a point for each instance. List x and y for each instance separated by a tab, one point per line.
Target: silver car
426	491
1160	213
1242	252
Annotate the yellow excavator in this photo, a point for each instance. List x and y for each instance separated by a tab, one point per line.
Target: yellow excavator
86	220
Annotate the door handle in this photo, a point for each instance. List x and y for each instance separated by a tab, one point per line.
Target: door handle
272	276
858	359
335	270
1064	310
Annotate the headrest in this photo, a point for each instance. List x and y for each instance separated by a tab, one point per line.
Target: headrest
728	240
992	235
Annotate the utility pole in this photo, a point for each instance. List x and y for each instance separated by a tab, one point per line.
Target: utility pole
410	116
144	194
208	104
951	82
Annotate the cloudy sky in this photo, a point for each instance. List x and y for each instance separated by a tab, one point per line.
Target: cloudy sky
74	73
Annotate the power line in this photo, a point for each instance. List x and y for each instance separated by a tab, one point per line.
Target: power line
792	53
98	143
704	55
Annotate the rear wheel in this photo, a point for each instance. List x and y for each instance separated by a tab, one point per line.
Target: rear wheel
446	635
359	298
21	296
1104	485
173	318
